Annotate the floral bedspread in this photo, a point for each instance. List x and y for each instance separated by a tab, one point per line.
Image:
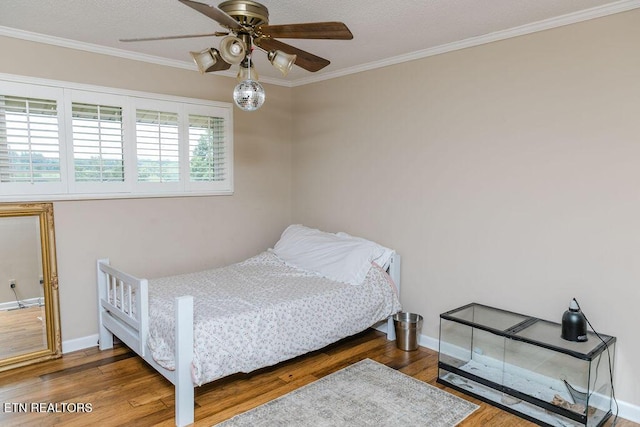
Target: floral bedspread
262	311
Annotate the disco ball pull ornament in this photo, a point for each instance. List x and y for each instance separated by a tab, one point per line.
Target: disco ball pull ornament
249	94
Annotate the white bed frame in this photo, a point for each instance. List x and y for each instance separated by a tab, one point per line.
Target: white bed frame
131	324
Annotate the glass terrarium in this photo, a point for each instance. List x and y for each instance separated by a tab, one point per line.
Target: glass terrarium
521	364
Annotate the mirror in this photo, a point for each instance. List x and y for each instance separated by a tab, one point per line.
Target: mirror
29	313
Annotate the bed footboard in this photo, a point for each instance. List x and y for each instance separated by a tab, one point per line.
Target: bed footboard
124	312
122	308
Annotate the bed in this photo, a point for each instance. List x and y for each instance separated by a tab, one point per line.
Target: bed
310	290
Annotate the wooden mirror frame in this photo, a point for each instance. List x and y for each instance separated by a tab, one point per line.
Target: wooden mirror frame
44	212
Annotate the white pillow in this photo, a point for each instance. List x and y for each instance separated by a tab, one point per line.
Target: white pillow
383	260
338	257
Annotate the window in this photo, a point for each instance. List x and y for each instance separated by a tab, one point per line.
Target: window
98	154
206	149
29	142
63	141
157	146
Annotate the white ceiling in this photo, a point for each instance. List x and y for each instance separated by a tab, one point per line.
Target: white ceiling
385	31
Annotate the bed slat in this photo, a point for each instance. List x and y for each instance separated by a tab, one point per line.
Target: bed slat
117	292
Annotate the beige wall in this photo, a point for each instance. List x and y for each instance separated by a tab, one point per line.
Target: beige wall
20	259
506	174
153	237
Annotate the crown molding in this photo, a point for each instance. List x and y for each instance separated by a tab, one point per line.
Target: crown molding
547	24
121	53
93	48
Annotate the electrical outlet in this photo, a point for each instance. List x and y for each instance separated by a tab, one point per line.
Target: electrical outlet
12	283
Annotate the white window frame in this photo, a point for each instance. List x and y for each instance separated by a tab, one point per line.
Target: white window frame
66	93
197	186
107	188
30	191
166	107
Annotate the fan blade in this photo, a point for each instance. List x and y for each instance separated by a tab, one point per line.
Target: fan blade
213	13
146	39
306	60
313	30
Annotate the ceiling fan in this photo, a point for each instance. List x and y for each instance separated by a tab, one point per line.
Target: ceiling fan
248	26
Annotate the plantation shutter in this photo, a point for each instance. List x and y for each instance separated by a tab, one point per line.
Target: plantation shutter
62	141
157	146
97	143
29	140
207	149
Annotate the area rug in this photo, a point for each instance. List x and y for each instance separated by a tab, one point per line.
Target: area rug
366	393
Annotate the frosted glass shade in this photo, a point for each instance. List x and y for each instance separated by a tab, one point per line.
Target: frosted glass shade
245	73
282	61
209	60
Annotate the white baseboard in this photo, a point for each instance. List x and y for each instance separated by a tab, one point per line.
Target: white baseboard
428	342
79	343
29	302
626	410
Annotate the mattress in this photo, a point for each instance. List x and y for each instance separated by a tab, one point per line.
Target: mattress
262	311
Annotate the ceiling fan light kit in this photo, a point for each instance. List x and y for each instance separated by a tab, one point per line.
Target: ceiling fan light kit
248	21
209	60
233	50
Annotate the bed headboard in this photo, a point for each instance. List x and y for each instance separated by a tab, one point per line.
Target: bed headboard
394	269
394	273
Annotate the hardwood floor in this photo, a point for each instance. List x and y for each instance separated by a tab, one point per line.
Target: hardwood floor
22	331
115	387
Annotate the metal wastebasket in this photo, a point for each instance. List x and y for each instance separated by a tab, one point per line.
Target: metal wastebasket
407	326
